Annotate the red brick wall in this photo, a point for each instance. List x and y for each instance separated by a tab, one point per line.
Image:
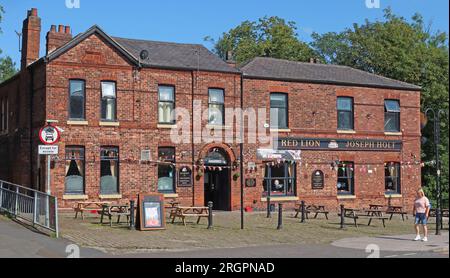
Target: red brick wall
308	99
93	61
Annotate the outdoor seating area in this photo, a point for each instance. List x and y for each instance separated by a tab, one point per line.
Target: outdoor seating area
369	214
190	212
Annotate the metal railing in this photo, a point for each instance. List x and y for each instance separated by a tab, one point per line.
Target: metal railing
37	208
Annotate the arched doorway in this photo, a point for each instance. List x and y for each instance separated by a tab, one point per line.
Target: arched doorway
217	179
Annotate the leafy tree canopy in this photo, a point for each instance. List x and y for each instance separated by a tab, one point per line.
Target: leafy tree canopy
268	37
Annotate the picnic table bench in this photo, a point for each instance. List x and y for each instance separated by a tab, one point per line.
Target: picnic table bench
313	209
183	212
396	210
80	207
370	214
171	207
115	210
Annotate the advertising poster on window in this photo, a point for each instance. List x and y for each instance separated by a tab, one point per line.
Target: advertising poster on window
151	212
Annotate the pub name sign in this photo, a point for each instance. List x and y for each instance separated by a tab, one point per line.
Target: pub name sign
338	144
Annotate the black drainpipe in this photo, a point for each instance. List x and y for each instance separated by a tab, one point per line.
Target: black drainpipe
31	72
192	138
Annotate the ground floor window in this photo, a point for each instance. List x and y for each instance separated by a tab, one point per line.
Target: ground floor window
109	170
346	180
392	178
74	181
280	179
166	170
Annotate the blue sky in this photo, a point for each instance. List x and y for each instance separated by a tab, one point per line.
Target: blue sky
190	21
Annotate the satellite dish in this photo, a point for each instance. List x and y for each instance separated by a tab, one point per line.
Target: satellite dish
143	55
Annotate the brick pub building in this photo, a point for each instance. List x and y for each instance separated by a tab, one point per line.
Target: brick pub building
344	136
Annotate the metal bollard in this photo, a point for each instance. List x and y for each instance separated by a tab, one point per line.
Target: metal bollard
132	217
268	207
303	212
210	215
280	216
342	217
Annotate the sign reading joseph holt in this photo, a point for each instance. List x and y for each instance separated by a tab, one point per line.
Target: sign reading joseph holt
338	144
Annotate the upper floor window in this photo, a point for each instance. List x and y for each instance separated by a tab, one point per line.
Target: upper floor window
278	110
77	100
74	182
109	170
4	115
345	113
216	107
346	181
166	105
109	103
392	116
166	170
392	178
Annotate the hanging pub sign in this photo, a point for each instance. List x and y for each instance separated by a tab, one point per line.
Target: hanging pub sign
49	135
317	180
338	144
185	177
150	213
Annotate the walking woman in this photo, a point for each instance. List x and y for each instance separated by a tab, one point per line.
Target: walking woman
421	213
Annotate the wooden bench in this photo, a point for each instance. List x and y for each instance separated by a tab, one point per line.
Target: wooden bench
81	207
396	210
356	214
115	210
183	212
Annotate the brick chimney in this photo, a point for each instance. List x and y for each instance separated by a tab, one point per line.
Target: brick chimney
31	35
229	59
58	38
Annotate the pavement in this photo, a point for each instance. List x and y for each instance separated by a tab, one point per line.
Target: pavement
18	241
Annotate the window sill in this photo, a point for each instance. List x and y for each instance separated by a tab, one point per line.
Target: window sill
77	122
346	132
220	127
75	197
112	196
166	126
346	197
280	130
281	198
109	124
395	195
393	133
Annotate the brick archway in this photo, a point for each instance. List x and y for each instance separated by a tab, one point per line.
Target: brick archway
226	148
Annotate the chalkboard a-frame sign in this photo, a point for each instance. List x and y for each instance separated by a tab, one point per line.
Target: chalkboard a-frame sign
151	214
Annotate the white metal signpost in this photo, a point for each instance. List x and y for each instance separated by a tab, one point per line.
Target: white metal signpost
49	136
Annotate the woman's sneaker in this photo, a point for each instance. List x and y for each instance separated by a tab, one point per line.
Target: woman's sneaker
425	239
417	238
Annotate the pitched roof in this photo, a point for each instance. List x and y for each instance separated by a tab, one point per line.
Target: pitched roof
277	69
176	55
161	54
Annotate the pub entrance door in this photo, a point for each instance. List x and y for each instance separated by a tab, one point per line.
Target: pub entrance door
217	189
217	179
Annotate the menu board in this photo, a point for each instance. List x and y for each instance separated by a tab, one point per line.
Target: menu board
151	212
317	180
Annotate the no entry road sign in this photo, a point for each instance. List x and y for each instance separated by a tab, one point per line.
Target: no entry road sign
49	135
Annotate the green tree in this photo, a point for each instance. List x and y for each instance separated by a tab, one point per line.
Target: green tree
7	66
268	37
404	50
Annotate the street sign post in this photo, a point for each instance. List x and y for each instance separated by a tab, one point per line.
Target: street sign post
49	136
48	149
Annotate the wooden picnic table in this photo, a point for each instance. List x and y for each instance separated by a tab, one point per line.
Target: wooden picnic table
370	214
396	210
183	212
316	209
171	207
115	210
80	207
